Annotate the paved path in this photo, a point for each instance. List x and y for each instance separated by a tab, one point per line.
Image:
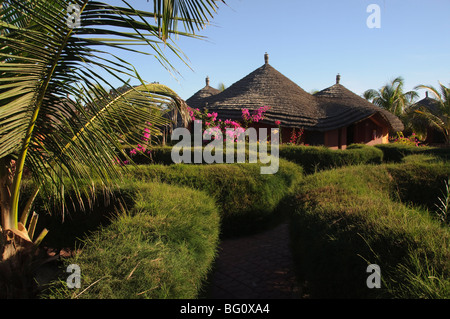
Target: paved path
255	267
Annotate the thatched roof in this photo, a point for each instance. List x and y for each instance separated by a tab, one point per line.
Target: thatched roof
197	100
428	103
341	107
266	87
326	110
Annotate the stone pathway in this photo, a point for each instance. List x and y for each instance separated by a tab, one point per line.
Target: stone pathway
255	267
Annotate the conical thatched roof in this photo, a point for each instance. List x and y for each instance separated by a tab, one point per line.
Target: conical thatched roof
266	86
342	107
429	103
326	110
197	100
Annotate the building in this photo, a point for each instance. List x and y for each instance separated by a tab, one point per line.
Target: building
334	117
433	135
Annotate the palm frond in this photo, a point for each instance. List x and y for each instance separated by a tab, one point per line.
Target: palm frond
44	63
86	146
370	94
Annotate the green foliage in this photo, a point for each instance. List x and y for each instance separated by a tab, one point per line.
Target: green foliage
443	207
55	118
248	201
419	183
396	152
316	158
439	117
162	246
163	155
179	223
348	218
392	96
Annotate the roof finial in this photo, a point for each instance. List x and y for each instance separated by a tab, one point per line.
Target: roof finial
266	58
338	78
207	81
426	93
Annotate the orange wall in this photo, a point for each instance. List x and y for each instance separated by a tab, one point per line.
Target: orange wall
336	139
370	132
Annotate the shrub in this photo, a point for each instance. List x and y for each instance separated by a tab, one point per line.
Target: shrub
248	201
163	155
419	183
395	152
316	158
162	246
345	219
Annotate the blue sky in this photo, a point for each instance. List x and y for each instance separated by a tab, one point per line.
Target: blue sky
311	41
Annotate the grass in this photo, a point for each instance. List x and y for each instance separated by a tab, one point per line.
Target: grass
395	153
317	158
173	216
248	201
347	218
162	247
162	244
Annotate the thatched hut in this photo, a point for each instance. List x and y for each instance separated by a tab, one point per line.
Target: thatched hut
428	104
349	118
198	98
334	117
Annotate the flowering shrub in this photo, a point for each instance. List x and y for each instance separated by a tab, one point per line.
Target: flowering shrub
401	139
140	148
255	116
214	126
296	137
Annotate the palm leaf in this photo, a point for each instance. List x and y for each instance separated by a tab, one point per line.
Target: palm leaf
440	119
43	61
73	151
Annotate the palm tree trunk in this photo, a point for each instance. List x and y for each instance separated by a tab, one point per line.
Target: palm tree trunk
16	265
16	249
5	192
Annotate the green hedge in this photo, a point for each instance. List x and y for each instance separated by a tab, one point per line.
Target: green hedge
248	201
397	152
316	158
161	246
347	218
163	155
177	226
419	183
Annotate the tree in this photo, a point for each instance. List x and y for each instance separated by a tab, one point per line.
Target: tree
392	96
221	86
51	54
439	116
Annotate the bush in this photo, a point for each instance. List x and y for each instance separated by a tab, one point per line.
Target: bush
345	219
316	158
163	155
248	201
396	152
419	183
162	246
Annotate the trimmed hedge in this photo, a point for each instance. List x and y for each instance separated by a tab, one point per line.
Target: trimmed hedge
162	246
163	155
314	158
317	158
178	224
248	201
347	218
397	152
